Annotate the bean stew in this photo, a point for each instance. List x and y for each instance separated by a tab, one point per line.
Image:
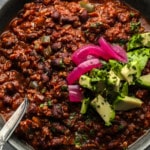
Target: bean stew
35	60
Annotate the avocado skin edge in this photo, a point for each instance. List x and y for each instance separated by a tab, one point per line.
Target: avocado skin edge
124	103
144	81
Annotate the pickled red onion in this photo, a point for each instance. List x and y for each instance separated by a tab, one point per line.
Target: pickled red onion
120	51
82	54
83	68
75	95
114	53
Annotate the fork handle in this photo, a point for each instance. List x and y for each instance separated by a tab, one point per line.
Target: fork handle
1	147
2	143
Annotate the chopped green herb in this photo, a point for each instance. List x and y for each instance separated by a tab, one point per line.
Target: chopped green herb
92	132
43	90
42	105
61	63
132	14
64	88
134	26
49	103
120	127
80	139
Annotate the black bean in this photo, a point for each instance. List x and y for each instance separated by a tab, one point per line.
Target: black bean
32	36
68	19
48	71
55	15
56	46
10	89
84	16
57	63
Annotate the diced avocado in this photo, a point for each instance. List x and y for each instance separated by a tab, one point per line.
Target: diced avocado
138	41
126	103
141	55
131	70
146	39
114	80
85	82
94	81
98	74
104	109
85	105
100	87
124	90
116	67
144	80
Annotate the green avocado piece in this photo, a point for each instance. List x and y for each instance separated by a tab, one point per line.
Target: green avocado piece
144	80
138	41
124	89
141	55
116	67
131	70
85	105
104	109
124	103
146	39
95	84
85	82
114	80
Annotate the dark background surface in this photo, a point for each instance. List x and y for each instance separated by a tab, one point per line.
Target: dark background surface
142	5
8	9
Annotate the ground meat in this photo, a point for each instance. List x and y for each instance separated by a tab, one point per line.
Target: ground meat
35	59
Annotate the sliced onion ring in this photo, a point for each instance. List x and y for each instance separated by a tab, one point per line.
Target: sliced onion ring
120	51
82	68
82	54
75	94
110	51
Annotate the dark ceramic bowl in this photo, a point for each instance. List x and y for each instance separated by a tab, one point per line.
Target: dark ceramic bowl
9	8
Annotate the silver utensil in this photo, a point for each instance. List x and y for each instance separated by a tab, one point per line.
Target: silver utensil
13	142
12	123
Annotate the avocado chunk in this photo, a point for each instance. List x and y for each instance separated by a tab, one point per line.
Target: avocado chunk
141	55
95	84
125	88
138	41
130	70
104	109
133	69
85	82
114	81
146	39
85	105
124	103
144	80
116	67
